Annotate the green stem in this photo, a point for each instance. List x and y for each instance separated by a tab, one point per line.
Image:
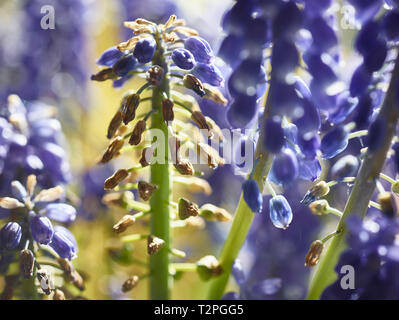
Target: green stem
362	190
160	281
242	219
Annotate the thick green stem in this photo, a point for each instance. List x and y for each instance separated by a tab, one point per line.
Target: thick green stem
242	219
362	190
159	263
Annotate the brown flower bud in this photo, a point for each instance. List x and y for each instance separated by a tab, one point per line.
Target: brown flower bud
193	83
313	255
71	274
154	244
184	167
319	207
208	267
200	120
103	75
113	150
155	75
206	152
138	130
115	179
130	283
167	110
386	201
130	107
114	124
26	263
146	156
124	223
214	95
211	212
146	190
187	209
58	295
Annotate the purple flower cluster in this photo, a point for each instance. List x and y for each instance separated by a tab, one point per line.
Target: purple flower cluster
373	254
30	143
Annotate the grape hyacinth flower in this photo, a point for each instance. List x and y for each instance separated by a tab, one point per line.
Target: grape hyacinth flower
32	233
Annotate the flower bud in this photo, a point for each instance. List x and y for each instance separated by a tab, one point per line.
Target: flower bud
18	190
187	209
214	213
334	142
124	65
313	255
109	57
114	124
71	274
60	212
115	179
200	49
103	75
183	59
113	150
130	283
193	83
10	236
146	156
280	212
386	201
319	190
130	106
124	223
26	263
285	167
200	120
345	167
252	195
208	267
146	190
154	244
42	229
184	167
319	207
138	130
10	203
214	94
155	75
208	73
64	243
167	110
58	295
145	49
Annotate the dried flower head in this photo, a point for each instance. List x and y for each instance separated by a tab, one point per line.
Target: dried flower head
154	244
209	267
184	167
26	263
146	190
129	110
113	150
124	223
313	255
200	120
138	130
155	75
114	124
187	209
167	110
115	179
193	83
146	156
130	283
319	207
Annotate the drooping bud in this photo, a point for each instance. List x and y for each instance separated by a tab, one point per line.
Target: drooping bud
208	73
155	75
200	49
319	207
146	156
285	167
280	212
115	179
154	244
183	59
64	243
345	167
124	223
10	236
187	209
124	65
129	109
58	295
209	267
334	142
114	124
113	150
200	120
109	57
252	195
193	83
138	130
313	255
130	283
184	167
319	190
167	110
386	201
42	229
71	274
145	49
103	75
214	213
146	190
26	263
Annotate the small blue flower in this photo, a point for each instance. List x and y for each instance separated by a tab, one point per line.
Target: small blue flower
285	167
183	59
208	73
10	236
42	229
64	243
109	57
252	195
200	49
124	65
145	49
334	142
60	212
280	212
345	167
